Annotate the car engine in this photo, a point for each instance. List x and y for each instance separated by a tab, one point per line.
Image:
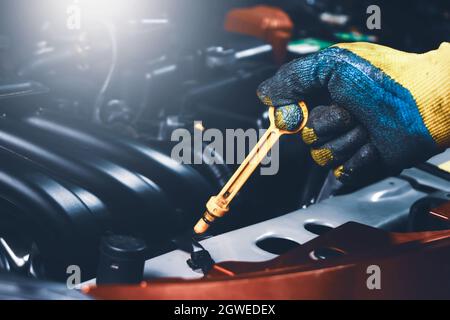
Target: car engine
89	106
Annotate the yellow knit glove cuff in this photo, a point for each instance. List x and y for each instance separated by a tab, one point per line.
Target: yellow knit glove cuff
426	76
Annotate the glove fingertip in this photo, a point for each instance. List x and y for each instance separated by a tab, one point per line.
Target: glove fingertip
309	136
264	98
361	169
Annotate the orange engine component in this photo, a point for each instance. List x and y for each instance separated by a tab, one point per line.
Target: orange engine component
270	24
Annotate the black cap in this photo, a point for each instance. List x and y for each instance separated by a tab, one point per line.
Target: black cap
123	247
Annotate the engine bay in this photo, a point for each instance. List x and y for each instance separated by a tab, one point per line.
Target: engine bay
93	109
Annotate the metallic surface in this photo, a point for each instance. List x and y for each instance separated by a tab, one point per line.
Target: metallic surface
383	205
371	264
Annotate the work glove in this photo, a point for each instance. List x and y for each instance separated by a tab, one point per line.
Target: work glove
389	109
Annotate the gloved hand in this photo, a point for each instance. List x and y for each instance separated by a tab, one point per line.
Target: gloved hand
390	109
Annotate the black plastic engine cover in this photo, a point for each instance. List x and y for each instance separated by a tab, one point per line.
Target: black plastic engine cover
67	183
